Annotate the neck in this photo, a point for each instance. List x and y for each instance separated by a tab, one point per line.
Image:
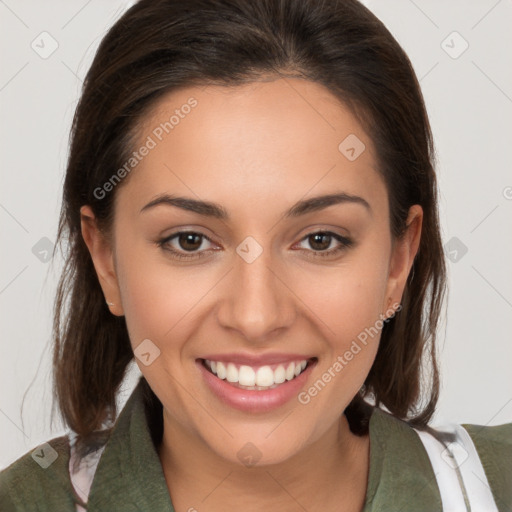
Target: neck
329	474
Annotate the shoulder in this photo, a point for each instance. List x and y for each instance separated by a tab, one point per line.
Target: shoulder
399	458
38	480
494	447
494	438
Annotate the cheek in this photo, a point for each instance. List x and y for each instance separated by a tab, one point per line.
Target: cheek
161	305
163	302
349	297
347	304
157	298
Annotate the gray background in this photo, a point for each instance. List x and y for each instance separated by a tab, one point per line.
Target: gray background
469	98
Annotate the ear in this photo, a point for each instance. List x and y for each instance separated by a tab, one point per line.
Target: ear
402	257
103	259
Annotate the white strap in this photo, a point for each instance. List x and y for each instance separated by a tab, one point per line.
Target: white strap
460	477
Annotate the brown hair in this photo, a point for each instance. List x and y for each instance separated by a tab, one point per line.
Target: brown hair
160	45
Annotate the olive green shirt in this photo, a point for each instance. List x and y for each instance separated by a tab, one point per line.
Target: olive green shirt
129	476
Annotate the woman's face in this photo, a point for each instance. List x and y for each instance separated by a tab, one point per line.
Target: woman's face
268	277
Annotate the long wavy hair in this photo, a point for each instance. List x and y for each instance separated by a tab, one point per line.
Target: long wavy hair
158	46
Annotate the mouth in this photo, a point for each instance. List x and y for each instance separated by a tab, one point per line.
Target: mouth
256	378
250	386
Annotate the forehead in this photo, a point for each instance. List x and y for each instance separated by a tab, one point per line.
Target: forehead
273	141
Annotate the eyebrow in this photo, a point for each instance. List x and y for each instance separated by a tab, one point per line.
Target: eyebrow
217	211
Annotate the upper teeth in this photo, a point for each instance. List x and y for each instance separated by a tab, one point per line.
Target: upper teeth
263	376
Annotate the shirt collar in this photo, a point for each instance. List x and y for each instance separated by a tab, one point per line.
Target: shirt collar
129	475
401	477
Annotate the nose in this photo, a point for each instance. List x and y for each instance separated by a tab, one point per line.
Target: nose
257	299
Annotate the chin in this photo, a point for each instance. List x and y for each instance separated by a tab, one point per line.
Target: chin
256	448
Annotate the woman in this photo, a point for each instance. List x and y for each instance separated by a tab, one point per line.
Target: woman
251	208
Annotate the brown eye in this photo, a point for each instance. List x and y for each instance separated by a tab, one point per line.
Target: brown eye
190	241
186	245
320	241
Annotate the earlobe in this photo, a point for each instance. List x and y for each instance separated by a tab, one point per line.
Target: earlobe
403	255
101	253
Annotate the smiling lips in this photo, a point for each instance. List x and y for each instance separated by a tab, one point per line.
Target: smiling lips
256	383
258	378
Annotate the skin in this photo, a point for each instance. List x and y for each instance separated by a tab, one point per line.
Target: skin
256	149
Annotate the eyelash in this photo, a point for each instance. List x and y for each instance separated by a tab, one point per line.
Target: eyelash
345	243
